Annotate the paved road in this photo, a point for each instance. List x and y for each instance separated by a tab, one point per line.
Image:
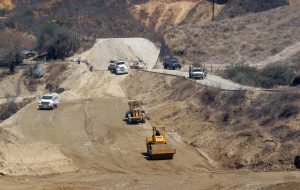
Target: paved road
211	80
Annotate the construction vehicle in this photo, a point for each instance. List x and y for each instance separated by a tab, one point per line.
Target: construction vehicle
157	147
136	114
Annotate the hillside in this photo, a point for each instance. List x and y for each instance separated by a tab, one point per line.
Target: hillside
6	4
89	19
162	15
236	129
247	39
233	8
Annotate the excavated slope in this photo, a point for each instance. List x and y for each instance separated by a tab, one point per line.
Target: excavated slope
128	49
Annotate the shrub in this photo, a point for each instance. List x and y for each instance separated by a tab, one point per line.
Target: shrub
208	95
241	73
58	42
3	11
236	97
288	110
279	74
8	110
270	76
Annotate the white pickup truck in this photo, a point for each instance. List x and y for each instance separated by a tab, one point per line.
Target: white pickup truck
49	101
197	72
118	67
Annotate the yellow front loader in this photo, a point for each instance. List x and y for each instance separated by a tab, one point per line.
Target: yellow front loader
135	114
157	147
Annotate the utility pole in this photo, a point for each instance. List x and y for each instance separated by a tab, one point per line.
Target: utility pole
213	10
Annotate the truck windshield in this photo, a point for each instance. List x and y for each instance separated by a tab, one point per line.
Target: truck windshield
120	63
197	70
47	97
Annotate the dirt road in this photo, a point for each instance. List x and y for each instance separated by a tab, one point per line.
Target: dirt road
211	80
109	154
134	49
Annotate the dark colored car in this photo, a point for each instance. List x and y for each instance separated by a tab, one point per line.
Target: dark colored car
111	65
172	64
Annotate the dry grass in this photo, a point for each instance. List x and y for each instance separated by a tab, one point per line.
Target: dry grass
247	39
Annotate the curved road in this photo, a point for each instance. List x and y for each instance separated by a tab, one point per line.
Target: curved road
211	80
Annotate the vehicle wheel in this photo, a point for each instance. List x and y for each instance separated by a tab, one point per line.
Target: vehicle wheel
144	117
129	118
165	67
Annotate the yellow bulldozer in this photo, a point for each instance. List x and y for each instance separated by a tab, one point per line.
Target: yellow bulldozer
135	114
157	147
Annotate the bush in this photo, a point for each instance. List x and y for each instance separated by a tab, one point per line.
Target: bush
241	73
236	97
288	110
3	12
270	76
209	95
58	42
8	110
279	74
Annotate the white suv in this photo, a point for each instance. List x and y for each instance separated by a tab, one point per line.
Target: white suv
49	101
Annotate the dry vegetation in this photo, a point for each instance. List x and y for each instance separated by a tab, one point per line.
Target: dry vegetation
88	19
234	8
55	76
255	131
270	76
11	107
12	44
247	39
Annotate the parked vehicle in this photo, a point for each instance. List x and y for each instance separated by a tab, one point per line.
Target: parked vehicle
38	72
172	64
197	73
119	67
49	101
139	65
111	65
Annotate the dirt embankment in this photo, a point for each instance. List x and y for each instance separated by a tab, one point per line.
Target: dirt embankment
163	15
238	129
7	4
234	8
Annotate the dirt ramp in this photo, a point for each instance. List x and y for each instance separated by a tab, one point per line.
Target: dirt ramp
33	159
129	49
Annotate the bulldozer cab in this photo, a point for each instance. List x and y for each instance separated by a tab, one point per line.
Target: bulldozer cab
159	135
